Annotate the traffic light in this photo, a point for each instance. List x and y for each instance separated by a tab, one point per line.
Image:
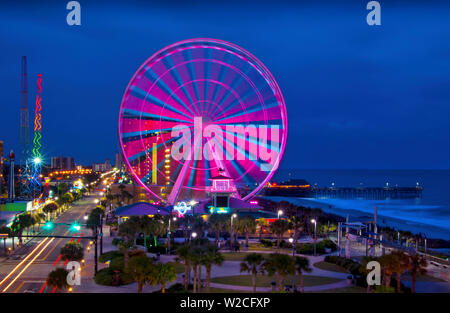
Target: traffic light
48	226
75	227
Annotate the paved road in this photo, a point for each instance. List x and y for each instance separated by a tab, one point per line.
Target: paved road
27	268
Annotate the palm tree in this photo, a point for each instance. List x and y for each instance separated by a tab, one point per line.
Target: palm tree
388	263
279	227
302	265
253	263
141	270
281	265
261	222
184	254
417	265
196	255
246	225
296	224
212	256
72	251
58	278
217	224
128	231
399	266
163	273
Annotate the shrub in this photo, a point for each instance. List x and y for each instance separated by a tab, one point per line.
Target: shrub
157	249
116	241
266	243
104	277
125	279
116	263
176	288
109	256
327	243
384	289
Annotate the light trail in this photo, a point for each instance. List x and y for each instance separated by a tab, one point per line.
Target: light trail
31	262
24	260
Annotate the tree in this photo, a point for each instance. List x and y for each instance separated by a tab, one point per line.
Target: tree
388	263
281	265
246	226
128	231
21	223
212	256
195	260
49	208
417	265
218	223
296	224
184	254
302	265
253	264
279	227
163	273
399	266
58	278
141	270
72	251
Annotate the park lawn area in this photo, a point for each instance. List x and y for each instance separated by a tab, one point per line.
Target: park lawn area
221	290
265	281
330	267
235	256
179	267
350	289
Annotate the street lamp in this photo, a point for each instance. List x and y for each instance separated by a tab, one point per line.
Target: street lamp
193	235
291	241
234	215
168	234
86	217
315	234
280	212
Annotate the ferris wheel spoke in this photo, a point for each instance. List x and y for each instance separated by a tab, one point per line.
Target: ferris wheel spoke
193	76
247	94
177	77
147	97
154	78
207	76
237	80
133	114
221	78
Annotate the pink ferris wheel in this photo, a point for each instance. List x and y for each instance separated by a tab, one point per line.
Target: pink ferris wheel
198	107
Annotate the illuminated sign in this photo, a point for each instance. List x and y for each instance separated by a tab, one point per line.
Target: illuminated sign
182	208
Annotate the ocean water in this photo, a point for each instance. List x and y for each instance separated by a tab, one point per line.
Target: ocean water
429	215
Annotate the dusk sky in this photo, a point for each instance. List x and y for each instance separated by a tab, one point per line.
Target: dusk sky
357	96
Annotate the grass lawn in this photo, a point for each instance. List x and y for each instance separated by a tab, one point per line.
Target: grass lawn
220	290
179	267
350	289
265	281
235	256
330	267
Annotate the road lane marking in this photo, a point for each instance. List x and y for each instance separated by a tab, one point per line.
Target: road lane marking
20	286
24	260
31	262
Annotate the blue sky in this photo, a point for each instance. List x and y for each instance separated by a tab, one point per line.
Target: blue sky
357	96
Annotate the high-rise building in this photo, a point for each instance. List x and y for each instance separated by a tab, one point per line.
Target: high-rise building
118	162
63	163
